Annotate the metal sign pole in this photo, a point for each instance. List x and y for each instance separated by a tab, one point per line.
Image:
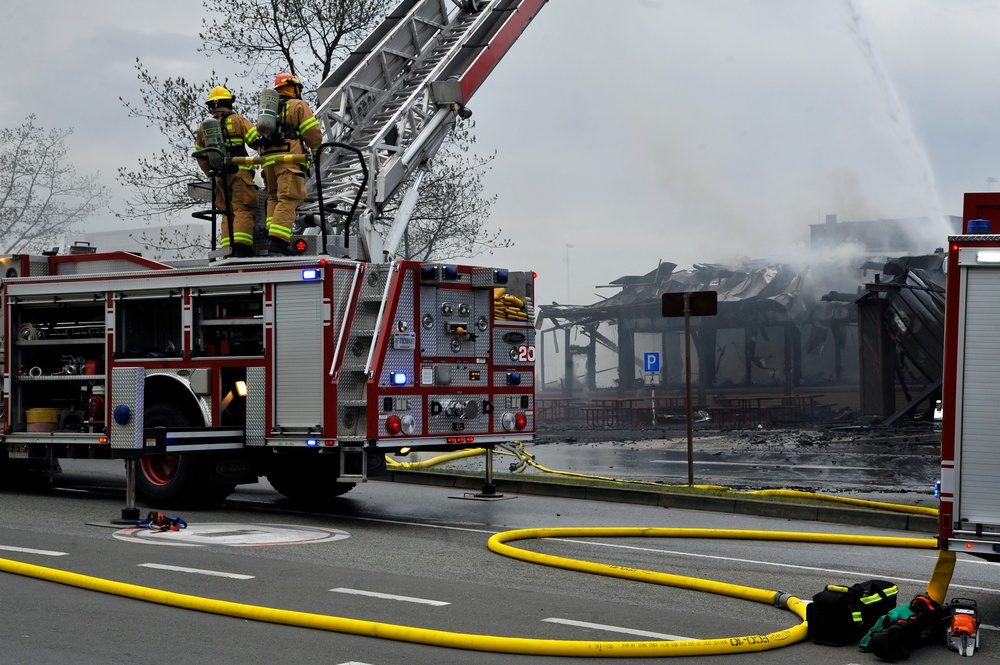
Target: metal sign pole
652	399
687	397
697	303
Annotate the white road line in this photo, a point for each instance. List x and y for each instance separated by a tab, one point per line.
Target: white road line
988	626
615	629
771	563
389	596
197	571
27	550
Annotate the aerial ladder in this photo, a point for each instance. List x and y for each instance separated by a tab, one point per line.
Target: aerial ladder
387	109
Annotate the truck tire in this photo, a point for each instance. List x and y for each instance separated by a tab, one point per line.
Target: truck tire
309	481
175	481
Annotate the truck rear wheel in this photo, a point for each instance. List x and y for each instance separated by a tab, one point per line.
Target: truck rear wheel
175	481
308	480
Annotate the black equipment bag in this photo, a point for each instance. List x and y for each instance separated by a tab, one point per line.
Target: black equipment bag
842	615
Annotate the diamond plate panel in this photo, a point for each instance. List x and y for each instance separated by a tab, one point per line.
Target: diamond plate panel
508	342
38	267
442	309
527	378
401	405
100	267
256	396
401	359
443	423
127	385
459	374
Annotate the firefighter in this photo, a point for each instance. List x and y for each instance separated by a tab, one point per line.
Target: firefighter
237	132
297	132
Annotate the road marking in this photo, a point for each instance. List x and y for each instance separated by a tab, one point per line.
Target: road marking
389	596
615	629
988	626
353	662
197	571
232	535
27	550
769	563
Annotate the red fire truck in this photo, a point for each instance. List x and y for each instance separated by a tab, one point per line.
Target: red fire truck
970	453
309	369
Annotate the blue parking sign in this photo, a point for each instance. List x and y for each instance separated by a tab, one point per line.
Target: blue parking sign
651	362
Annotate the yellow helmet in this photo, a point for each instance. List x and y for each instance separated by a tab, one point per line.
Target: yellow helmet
218	93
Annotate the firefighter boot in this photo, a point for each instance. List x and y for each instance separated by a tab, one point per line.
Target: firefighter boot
241	250
279	247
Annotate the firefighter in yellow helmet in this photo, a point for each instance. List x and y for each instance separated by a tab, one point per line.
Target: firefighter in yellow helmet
298	133
237	132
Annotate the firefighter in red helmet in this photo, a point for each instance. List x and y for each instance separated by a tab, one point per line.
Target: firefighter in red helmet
298	132
237	132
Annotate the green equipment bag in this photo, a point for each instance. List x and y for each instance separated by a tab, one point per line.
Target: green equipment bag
840	615
920	622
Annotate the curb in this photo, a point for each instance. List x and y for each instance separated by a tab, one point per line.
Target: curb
736	505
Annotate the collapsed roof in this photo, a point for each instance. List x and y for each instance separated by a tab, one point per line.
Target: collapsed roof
767	292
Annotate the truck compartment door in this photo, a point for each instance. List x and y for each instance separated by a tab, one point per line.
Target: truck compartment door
979	421
297	356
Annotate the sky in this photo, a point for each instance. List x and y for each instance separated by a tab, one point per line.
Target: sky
627	132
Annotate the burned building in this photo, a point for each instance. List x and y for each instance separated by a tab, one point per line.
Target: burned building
864	335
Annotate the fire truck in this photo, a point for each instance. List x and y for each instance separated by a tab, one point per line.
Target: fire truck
306	369
970	454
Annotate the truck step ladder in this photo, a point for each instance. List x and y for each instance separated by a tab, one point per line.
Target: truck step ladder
359	457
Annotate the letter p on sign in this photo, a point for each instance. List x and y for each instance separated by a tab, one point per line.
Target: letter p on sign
651	362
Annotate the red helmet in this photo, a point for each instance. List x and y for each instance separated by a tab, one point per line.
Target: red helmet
286	79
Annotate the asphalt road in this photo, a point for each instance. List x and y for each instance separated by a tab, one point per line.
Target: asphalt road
415	556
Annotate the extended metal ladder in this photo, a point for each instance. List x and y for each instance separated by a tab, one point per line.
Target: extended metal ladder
396	96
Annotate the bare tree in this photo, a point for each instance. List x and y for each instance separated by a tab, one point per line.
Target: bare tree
307	38
42	197
451	219
304	37
175	107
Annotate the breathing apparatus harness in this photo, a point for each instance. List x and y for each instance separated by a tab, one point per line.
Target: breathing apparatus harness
273	129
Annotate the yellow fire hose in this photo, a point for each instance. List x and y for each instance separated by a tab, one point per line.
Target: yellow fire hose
527	459
518	645
286	158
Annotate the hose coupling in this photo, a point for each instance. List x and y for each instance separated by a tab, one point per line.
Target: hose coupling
781	599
